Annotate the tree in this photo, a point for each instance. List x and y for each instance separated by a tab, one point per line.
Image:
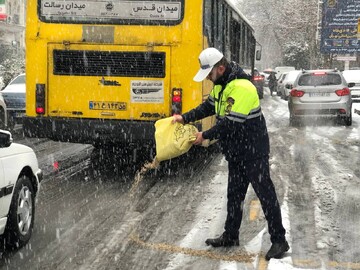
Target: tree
296	54
12	63
279	23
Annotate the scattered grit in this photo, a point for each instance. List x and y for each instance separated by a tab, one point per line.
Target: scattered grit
140	174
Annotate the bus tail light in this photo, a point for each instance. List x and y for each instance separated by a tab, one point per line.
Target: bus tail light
176	101
40	99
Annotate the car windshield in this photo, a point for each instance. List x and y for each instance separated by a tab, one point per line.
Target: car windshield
315	79
19	80
283	77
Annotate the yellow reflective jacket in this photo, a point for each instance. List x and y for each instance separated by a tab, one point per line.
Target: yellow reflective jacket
241	126
237	105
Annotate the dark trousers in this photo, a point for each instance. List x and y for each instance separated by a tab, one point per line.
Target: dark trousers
257	173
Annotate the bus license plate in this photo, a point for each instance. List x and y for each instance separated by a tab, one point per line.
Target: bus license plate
107	105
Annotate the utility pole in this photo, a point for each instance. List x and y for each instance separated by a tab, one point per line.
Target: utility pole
318	31
319	22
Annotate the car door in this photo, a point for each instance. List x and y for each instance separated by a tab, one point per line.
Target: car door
3	207
8	176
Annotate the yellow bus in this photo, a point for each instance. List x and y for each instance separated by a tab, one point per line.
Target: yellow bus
102	72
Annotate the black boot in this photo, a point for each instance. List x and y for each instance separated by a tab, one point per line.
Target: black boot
277	250
223	241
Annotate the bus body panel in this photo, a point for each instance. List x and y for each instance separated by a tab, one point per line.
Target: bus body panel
95	106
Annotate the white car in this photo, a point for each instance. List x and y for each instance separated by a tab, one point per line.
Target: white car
20	179
287	83
353	76
281	70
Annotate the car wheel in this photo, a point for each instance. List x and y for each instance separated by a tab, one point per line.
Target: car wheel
348	120
11	123
281	95
293	121
21	214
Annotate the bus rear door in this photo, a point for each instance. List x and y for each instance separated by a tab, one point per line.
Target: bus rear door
111	82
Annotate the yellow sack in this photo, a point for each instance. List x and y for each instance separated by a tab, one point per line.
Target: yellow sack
172	140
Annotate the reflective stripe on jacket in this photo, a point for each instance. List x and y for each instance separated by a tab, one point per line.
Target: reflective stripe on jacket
241	126
235	104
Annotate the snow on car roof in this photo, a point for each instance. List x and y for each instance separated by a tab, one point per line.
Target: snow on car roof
351	75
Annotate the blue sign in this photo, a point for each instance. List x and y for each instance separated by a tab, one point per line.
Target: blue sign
339	26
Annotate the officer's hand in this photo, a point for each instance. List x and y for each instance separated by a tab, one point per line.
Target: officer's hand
199	138
177	118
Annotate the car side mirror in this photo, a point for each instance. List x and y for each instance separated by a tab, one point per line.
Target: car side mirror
351	84
289	86
5	138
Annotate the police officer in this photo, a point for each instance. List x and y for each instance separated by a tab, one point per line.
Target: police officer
242	133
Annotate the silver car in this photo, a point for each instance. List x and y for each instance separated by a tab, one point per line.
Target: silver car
319	94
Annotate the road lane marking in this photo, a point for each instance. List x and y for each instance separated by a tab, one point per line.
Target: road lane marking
239	256
255	208
303	263
262	264
347	265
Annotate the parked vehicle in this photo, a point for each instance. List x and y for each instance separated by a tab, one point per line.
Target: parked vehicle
267	73
287	83
319	94
280	70
257	79
19	183
353	76
14	97
280	83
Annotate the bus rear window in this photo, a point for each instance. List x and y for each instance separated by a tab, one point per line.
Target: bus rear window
162	12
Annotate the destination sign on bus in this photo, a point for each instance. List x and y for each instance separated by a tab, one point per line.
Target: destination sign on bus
143	10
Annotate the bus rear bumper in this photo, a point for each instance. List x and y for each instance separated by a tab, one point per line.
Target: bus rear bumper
90	131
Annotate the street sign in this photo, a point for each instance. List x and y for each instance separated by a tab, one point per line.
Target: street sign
346	58
340	27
